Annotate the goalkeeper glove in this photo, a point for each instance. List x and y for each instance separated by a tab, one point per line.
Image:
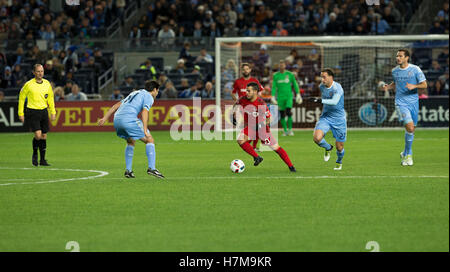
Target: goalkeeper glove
273	100
315	99
299	99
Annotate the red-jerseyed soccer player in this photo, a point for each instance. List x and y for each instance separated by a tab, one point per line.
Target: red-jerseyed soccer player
256	122
240	86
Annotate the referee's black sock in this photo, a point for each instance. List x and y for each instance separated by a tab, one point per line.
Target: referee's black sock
36	145
42	148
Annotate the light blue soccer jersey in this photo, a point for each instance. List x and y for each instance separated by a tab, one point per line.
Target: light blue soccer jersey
133	104
333	103
411	74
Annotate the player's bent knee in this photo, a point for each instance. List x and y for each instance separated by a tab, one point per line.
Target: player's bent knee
288	112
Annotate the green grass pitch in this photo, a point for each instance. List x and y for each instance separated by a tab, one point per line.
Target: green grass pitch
203	206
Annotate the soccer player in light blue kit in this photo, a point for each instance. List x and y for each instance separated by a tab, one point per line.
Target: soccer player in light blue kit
332	118
129	127
407	79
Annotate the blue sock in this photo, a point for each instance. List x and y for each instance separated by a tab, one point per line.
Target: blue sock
409	137
129	151
340	155
324	144
151	155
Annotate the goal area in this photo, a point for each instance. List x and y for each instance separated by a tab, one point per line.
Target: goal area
361	64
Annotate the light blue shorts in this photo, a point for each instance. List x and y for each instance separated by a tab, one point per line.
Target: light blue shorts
339	130
127	129
407	114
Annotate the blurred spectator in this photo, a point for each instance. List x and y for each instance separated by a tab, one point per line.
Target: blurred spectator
208	92
379	25
442	58
52	73
198	33
196	71
19	75
185	54
230	15
181	67
58	93
292	58
230	72
76	94
443	13
8	79
186	90
68	86
169	91
230	30
261	59
163	80
149	66
134	36
213	31
204	57
279	30
252	31
129	82
166	36
437	28
436	88
208	20
116	95
435	67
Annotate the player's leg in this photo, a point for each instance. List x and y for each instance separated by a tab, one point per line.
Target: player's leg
43	139
32	119
409	116
340	134
283	120
243	141
129	153
151	156
322	127
267	138
289	104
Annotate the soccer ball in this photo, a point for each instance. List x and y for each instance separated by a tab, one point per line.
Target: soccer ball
237	166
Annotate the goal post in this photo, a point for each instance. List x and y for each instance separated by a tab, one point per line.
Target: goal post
361	64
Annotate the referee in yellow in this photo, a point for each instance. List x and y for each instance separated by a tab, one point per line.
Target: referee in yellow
39	95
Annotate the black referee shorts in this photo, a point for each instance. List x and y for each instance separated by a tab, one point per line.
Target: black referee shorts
37	120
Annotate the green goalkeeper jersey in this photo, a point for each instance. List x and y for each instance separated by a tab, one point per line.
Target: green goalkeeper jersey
282	84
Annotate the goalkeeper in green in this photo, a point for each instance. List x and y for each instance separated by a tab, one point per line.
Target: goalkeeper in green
282	83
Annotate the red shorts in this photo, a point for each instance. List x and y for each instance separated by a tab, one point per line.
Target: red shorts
265	136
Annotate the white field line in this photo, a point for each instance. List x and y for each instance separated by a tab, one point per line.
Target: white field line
238	176
40	181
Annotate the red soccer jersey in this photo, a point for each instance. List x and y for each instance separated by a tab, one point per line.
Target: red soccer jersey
255	112
240	86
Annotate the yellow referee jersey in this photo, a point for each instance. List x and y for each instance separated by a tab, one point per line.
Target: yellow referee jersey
39	96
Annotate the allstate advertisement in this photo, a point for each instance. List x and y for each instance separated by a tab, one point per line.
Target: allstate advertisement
83	116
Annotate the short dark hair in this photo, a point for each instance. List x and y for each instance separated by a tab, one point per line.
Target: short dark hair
245	64
254	86
150	85
328	71
405	51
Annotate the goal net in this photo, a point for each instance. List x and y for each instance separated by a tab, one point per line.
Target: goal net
361	64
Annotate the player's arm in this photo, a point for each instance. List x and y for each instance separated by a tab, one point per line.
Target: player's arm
22	96
334	100
298	97
274	90
390	86
421	85
234	93
110	112
51	104
144	115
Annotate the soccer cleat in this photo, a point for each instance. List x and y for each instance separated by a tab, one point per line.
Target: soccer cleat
291	133
44	163
402	157
338	166
327	155
257	160
129	174
292	169
34	160
284	133
408	161
155	172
